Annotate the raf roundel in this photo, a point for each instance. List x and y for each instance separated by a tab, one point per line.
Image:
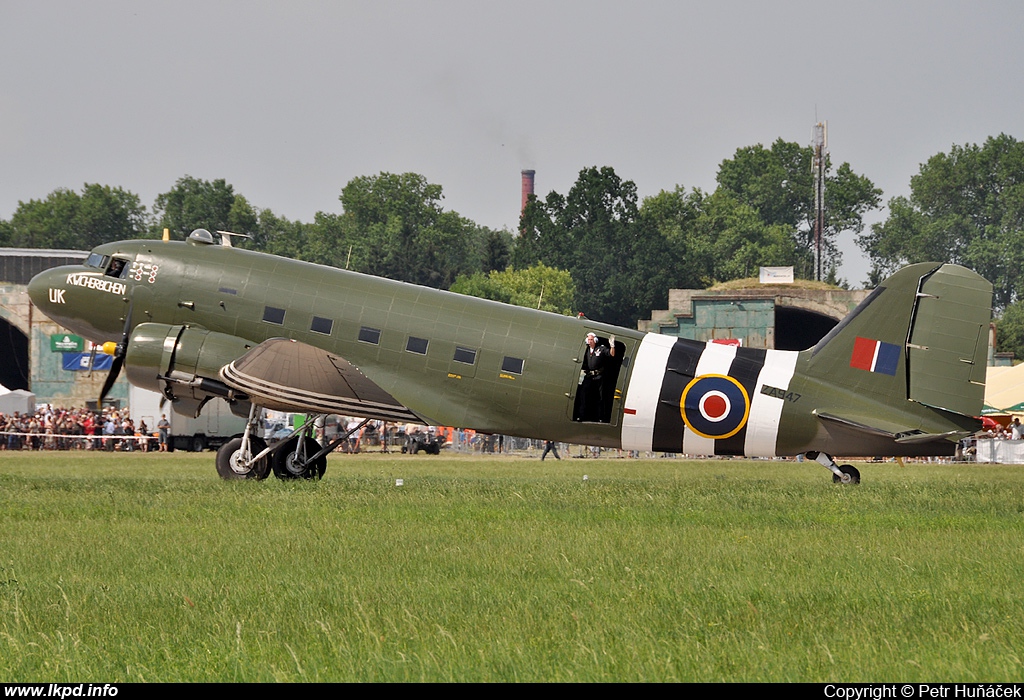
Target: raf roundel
715	406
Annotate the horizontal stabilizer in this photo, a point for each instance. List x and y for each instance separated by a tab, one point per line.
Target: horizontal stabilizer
286	375
901	433
930	437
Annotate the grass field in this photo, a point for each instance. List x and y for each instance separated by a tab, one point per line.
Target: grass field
148	568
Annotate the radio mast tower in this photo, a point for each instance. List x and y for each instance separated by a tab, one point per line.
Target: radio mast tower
818	167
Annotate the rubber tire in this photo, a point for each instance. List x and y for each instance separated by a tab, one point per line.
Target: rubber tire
198	444
284	461
847	469
229	452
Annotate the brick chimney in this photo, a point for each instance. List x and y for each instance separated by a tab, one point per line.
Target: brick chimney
527	187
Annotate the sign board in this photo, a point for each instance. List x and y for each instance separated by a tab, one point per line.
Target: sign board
65	342
79	361
777	275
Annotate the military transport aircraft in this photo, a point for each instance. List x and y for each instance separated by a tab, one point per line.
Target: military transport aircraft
902	375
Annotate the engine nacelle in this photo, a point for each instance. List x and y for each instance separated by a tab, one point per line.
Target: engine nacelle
183	363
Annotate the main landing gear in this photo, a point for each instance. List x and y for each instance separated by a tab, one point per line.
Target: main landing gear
845	474
299	456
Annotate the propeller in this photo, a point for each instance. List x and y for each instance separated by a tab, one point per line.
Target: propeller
118	350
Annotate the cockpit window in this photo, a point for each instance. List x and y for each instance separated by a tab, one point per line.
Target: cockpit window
118	268
97	260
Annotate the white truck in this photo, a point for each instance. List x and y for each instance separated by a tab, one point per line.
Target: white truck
214	426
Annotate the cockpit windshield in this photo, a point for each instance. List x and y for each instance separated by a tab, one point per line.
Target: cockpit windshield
97	260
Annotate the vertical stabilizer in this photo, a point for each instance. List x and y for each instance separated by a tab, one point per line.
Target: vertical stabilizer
921	336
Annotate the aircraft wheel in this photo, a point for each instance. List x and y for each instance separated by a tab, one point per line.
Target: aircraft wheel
287	467
849	471
231	460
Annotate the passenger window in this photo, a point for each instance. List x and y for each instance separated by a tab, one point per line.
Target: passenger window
321	325
369	335
512	364
465	356
273	315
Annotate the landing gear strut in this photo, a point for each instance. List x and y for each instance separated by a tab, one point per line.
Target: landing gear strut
845	474
244	457
292	459
297	457
301	457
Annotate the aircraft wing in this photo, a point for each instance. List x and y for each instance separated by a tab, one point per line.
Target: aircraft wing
286	375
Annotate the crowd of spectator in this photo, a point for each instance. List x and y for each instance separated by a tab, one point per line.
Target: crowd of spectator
54	428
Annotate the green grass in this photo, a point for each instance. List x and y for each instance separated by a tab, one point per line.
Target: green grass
149	568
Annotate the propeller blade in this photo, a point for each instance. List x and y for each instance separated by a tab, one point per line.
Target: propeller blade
115	370
119	352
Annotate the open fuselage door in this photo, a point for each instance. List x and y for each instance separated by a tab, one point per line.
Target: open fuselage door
596	397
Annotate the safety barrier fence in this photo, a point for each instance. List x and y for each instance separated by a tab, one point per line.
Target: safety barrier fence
16	440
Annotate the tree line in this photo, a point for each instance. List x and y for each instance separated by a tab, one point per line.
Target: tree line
598	249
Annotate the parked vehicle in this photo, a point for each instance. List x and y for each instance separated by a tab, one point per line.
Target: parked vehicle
215	425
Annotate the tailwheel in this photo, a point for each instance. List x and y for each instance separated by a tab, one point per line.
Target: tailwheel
233	462
291	460
846	474
850	475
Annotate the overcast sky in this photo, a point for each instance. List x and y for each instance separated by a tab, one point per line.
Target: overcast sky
288	101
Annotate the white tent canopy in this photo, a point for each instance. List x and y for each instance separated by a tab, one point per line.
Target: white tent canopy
18	400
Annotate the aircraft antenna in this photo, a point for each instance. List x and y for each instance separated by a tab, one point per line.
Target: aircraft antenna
225	237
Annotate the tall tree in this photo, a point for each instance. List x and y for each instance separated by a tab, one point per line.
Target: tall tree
66	219
595	232
397	228
279	236
734	241
965	207
536	287
778	184
1010	330
194	203
495	249
685	256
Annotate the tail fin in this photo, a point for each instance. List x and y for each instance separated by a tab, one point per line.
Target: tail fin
921	335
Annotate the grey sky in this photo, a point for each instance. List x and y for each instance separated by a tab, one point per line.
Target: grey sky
288	101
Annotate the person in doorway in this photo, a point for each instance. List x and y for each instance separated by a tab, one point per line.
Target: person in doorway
595	361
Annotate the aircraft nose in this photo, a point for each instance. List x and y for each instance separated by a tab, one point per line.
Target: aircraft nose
39	289
49	294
